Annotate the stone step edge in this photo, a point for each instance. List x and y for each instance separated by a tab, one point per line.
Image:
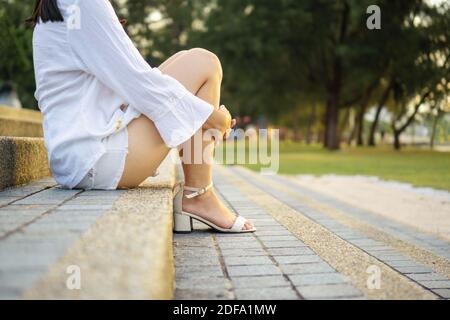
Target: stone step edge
20	128
23	160
133	240
20	113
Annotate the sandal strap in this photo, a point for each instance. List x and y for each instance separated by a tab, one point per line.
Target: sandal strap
197	191
238	224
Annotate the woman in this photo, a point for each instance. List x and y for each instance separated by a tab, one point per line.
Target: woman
110	119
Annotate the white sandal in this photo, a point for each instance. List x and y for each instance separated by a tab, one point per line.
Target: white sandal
183	219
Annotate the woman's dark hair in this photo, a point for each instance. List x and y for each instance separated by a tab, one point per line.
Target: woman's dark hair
46	10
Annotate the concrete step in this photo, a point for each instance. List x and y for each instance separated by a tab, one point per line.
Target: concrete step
24	157
118	244
20	122
305	248
22	160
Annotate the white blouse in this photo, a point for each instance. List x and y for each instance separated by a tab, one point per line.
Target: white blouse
86	68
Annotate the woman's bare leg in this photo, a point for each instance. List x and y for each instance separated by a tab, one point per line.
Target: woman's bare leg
171	59
200	72
146	147
207	87
196	174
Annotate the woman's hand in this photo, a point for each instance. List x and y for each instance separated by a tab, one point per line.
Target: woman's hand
229	125
221	120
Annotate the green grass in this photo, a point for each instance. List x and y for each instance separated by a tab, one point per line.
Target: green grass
419	167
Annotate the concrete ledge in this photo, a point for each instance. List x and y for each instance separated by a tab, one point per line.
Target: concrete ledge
20	122
26	114
20	128
127	253
23	160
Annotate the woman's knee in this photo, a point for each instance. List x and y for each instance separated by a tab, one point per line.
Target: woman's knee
210	62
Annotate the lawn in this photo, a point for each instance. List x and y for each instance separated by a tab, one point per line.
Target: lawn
420	167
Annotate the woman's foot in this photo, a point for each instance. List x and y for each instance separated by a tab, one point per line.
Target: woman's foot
209	207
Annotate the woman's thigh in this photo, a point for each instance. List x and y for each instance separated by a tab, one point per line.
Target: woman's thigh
172	59
146	149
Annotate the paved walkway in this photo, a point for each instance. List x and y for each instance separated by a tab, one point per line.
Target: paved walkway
38	223
271	264
424	209
117	243
308	246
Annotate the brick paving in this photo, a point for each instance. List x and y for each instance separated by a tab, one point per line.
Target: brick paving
423	240
384	252
269	264
38	223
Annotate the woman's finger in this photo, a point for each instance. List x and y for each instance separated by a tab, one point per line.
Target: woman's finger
227	134
225	109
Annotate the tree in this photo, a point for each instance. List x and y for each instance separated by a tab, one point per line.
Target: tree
282	57
416	62
421	75
363	104
161	28
384	97
294	49
16	49
318	51
441	108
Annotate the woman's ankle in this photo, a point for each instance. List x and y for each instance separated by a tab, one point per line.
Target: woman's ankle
207	194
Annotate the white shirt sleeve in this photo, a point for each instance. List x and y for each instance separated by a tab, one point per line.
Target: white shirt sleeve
104	49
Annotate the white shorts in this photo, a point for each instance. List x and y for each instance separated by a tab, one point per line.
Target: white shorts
108	170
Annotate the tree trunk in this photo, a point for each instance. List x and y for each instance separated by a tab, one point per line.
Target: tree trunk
409	121
397	144
331	126
360	126
361	114
433	131
358	130
311	122
381	103
374	126
344	122
332	138
352	134
332	135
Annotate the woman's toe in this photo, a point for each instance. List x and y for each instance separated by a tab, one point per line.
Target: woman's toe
248	225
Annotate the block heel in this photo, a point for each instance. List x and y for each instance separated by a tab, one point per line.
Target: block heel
181	223
183	219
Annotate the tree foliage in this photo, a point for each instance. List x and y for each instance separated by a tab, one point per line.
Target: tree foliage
16	58
311	64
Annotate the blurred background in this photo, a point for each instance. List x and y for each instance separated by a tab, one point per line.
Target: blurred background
343	96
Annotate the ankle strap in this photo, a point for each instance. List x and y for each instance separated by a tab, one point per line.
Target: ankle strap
197	191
